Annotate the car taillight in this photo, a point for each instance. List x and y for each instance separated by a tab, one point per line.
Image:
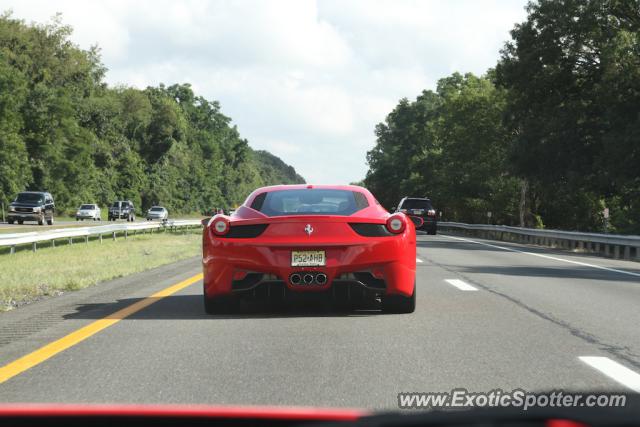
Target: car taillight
431	212
220	226
396	224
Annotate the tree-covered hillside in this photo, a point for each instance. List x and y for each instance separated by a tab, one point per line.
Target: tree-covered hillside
449	145
273	169
550	137
63	130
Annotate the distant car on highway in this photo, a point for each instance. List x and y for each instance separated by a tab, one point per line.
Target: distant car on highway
157	212
32	206
89	211
329	240
420	207
122	209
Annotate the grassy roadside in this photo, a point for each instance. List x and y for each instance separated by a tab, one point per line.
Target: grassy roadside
26	276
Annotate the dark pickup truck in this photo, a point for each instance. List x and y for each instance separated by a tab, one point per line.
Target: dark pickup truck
422	207
32	206
122	209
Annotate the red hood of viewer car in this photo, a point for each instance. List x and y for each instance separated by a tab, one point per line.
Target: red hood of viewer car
181	411
80	415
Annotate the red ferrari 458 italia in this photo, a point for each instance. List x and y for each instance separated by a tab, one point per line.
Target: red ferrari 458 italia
287	240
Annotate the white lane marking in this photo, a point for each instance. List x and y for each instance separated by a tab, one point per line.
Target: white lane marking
584	264
419	260
460	285
615	371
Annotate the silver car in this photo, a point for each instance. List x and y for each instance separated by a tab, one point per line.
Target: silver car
89	211
157	212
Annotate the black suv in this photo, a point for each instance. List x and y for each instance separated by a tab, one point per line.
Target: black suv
32	206
122	209
417	206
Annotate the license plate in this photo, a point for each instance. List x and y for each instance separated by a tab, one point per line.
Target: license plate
307	258
417	211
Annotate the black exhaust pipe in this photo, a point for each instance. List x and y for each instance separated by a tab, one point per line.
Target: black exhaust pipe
295	279
321	279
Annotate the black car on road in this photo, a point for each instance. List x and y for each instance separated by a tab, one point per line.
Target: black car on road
422	207
122	209
32	206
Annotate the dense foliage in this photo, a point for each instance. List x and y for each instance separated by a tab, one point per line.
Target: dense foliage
63	130
449	145
551	136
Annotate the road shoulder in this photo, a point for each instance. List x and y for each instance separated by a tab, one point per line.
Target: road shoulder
29	327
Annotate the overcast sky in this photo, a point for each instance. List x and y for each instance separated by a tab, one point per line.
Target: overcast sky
306	80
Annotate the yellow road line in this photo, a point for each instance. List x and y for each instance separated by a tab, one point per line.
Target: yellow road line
14	368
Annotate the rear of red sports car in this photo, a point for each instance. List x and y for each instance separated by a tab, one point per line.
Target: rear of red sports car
333	241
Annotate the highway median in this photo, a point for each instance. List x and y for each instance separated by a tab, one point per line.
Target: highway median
27	276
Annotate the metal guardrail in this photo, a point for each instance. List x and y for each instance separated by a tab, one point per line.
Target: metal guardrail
615	245
33	238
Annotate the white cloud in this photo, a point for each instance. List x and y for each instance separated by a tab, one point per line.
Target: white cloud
306	80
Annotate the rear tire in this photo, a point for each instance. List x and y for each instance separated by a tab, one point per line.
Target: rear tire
20	222
399	303
41	220
50	221
433	231
10	221
226	304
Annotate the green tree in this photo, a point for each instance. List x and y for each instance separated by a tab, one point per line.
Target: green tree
14	163
62	129
449	145
571	70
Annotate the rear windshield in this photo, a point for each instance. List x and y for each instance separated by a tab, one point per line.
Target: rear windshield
115	205
417	204
309	202
87	207
30	198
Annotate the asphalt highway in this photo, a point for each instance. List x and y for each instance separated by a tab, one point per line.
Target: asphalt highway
489	315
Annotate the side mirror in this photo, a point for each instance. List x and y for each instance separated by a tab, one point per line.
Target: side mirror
417	221
204	221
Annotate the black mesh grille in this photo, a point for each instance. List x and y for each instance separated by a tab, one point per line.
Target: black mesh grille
369	280
249	281
246	231
370	230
